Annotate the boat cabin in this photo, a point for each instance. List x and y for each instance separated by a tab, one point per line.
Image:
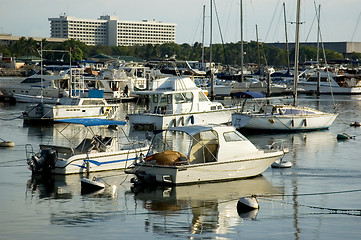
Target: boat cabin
173	95
198	145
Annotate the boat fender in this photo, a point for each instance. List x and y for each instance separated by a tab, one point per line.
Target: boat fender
182	120
305	122
192	119
271	120
292	123
174	122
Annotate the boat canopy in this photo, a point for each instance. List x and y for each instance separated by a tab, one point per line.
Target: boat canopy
90	122
191	130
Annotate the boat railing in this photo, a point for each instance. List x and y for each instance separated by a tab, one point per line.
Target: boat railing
29	151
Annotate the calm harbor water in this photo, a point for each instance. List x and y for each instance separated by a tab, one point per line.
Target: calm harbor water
318	198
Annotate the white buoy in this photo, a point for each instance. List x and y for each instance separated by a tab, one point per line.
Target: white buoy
281	164
246	204
88	186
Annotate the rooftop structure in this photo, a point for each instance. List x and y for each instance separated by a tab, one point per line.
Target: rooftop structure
110	31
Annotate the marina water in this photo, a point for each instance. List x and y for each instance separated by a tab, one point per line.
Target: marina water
318	198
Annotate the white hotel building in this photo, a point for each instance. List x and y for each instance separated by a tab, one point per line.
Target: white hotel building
110	31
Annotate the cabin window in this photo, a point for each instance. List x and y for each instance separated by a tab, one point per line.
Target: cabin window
202	97
163	98
92	102
170	140
204	148
232	137
155	98
183	97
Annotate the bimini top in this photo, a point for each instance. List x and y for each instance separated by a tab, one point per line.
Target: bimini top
90	122
191	130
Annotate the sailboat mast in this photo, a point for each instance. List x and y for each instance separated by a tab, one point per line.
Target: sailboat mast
287	50
41	71
297	45
318	50
241	23
204	12
210	53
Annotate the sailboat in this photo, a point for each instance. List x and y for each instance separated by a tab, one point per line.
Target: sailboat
273	117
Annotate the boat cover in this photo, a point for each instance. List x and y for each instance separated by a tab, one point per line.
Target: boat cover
89	122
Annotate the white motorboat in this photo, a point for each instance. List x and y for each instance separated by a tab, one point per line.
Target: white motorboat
285	117
47	85
177	101
81	103
195	154
90	155
74	107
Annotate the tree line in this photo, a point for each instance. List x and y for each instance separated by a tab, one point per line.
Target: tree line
227	54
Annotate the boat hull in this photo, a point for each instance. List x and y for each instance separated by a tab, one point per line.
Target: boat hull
326	89
98	161
200	173
48	112
149	122
282	122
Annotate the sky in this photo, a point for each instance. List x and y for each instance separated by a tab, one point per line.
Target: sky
340	19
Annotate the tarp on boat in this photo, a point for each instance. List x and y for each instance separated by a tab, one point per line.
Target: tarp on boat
90	122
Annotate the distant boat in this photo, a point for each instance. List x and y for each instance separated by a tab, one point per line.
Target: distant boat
331	83
99	153
196	154
82	103
49	86
74	107
285	117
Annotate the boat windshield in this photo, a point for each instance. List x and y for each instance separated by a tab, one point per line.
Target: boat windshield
171	140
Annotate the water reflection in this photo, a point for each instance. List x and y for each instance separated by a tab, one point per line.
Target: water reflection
209	208
69	186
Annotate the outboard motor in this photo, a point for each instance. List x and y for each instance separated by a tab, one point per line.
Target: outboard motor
43	162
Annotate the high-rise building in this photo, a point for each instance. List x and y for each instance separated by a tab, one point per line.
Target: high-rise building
110	31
